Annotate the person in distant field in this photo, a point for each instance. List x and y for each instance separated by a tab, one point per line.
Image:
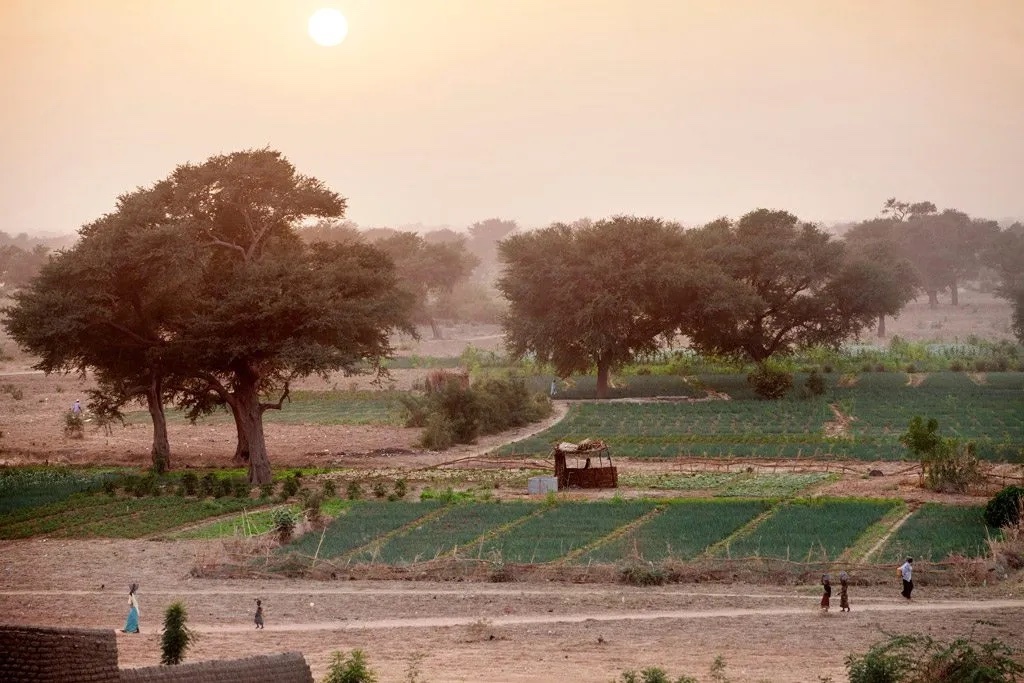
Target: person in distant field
826	593
259	614
76	408
844	598
132	624
554	387
906	571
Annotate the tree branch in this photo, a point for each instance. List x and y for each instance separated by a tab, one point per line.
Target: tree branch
280	402
216	385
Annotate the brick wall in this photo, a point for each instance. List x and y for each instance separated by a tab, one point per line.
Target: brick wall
50	655
286	668
73	655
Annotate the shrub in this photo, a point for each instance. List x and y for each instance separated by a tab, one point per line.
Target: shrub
652	674
190	482
920	659
770	383
311	507
401	488
1005	507
208	485
267	490
642	575
815	383
284	523
289	486
956	366
380	489
947	465
417	409
74	426
240	487
439	434
353	491
329	488
350	669
224	487
177	637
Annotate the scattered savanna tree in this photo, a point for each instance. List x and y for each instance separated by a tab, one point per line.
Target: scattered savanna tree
595	295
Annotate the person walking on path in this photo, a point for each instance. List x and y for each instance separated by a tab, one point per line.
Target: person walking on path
826	594
907	573
76	408
259	615
132	624
844	598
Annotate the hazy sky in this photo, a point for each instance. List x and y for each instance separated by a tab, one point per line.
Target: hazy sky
452	111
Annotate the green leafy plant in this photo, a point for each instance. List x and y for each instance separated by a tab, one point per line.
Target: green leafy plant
769	382
190	482
921	659
1005	507
947	465
176	637
353	491
351	668
284	524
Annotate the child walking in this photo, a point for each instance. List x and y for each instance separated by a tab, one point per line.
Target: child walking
844	599
826	594
259	615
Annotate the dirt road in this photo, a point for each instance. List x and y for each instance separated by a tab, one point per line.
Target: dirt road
514	632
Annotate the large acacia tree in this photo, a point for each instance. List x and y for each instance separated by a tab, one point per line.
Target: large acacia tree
239	305
791	286
105	305
595	295
877	245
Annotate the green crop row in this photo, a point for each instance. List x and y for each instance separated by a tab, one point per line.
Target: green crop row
360	524
458	526
24	488
683	530
879	406
934	532
811	530
562	529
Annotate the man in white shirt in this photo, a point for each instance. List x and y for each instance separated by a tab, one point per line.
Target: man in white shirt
907	572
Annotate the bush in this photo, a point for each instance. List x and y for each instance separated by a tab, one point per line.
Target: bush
240	487
190	483
289	486
652	674
177	637
208	485
401	488
267	490
353	491
815	383
920	659
284	524
439	434
74	426
224	487
947	465
380	489
311	505
642	575
329	488
351	669
770	383
1005	507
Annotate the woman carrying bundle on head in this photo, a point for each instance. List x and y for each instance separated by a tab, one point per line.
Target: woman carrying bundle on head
826	593
132	624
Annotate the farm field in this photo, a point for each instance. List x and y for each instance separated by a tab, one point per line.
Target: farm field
814	530
934	532
878	406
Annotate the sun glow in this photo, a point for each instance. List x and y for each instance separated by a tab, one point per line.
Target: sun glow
328	27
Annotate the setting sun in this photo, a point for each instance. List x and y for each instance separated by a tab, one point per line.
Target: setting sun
328	27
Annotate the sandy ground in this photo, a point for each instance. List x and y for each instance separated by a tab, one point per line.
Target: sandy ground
483	632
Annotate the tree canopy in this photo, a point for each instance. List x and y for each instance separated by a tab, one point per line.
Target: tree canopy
210	281
594	295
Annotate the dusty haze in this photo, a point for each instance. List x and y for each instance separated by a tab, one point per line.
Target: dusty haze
451	111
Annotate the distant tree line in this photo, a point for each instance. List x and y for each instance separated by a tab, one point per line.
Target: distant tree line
218	286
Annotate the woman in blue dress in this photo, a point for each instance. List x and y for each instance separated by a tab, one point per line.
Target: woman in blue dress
132	625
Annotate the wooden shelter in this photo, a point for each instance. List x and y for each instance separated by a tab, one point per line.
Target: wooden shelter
590	467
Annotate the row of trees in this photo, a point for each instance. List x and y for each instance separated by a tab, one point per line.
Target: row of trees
598	294
219	285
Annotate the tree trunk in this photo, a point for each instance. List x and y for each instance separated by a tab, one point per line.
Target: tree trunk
250	424
161	450
436	329
602	379
242	444
881	325
933	298
954	294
